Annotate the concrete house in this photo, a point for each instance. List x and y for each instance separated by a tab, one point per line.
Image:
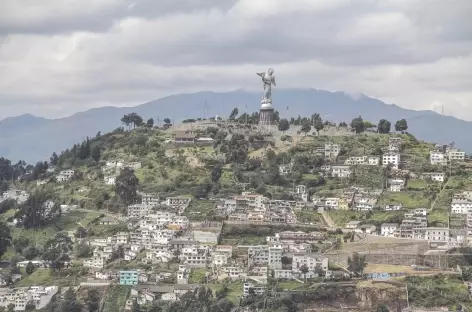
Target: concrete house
341	171
392	159
438	158
434	176
396	185
316	263
387	229
65	175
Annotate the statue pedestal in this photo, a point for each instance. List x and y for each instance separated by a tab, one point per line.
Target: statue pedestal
266	113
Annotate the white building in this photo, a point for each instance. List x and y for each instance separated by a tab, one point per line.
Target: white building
363	160
65	175
387	229
285	169
461	206
138	210
435	176
341	171
314	262
178	201
392	159
332	150
437	158
456	155
110	180
264	255
258	289
437	234
396	185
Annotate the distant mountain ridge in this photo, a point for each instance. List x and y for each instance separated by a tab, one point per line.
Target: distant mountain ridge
34	138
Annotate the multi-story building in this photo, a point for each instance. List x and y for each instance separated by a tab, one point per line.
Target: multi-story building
437	234
394	143
435	176
315	263
65	175
151	200
363	160
396	185
438	158
138	210
264	255
388	229
392	159
456	155
183	274
258	289
178	201
461	206
128	277
331	150
341	171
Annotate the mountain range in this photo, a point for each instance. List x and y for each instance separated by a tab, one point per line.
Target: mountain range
32	138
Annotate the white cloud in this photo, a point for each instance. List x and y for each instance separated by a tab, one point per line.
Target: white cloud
67	56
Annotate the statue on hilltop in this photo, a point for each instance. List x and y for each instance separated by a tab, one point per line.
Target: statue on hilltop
268	79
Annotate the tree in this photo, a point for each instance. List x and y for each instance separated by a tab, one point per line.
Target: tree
135	307
150	123
305	128
96	153
401	125
358	125
233	114
29	268
381	308
284	125
166	120
5	238
126	186
37	211
53	160
304	270
93	299
356	264
216	174
318	125
70	302
56	251
384	126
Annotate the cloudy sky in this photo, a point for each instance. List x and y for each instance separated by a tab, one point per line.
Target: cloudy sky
58	57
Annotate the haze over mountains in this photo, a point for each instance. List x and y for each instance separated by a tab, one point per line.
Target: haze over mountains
34	138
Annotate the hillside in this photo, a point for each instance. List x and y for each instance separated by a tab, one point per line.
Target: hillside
291	168
32	138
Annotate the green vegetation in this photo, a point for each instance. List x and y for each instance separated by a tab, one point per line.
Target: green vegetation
409	199
438	291
116	299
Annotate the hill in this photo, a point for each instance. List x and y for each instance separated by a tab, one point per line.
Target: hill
36	138
239	159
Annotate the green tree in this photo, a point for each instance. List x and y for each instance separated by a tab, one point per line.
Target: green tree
384	126
401	125
29	268
318	125
150	123
53	160
96	153
304	270
233	114
284	125
305	128
93	300
358	125
5	238
126	186
35	213
56	251
382	308
166	120
71	303
356	264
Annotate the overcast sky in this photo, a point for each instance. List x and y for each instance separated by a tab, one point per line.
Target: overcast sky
58	57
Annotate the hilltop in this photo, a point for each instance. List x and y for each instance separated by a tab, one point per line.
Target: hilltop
34	138
181	206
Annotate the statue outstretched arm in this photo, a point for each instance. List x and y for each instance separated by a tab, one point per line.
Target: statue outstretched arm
260	74
273	80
